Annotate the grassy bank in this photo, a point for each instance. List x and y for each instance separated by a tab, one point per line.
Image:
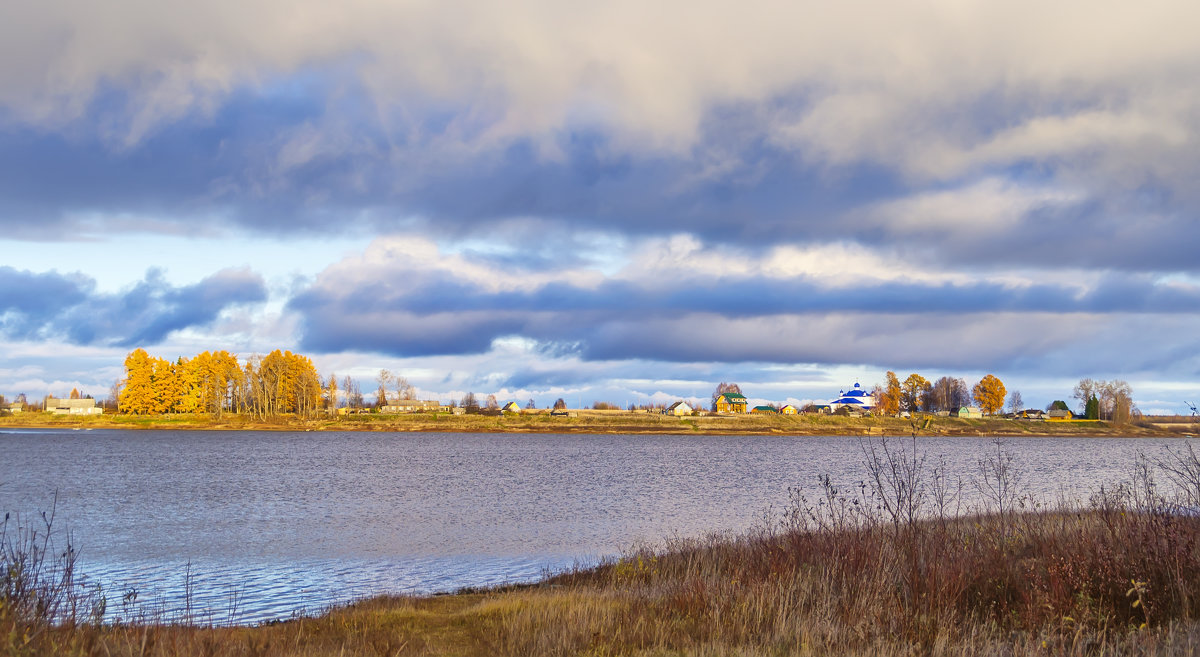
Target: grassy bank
1101	582
888	567
611	422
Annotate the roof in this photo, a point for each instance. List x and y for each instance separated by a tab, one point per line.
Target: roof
678	404
55	402
856	391
765	409
731	396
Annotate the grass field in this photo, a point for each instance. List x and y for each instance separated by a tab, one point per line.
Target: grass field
625	422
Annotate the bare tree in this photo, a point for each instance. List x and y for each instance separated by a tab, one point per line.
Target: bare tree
403	389
1084	390
947	393
1015	403
723	388
492	404
383	379
469	402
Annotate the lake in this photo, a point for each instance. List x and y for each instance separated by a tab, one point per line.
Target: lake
253	526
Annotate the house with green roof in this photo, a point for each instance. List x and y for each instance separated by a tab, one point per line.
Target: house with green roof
731	402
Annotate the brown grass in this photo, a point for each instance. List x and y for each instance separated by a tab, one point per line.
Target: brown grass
1105	581
611	422
851	573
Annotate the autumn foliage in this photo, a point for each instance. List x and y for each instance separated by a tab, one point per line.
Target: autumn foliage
989	393
215	382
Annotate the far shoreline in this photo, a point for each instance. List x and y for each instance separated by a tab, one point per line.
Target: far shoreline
595	422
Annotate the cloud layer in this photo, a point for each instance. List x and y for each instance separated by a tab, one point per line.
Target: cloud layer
927	184
406	298
56	307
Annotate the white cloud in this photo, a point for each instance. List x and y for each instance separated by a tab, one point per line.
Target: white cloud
928	87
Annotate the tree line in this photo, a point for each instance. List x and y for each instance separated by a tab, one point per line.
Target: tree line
216	382
916	393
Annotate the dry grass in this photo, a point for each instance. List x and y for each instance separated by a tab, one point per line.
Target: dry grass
877	569
611	422
1105	581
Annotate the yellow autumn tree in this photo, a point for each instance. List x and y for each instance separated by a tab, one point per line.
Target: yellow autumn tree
331	393
913	392
887	399
220	380
989	394
137	397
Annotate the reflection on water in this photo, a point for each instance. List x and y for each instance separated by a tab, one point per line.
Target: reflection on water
258	525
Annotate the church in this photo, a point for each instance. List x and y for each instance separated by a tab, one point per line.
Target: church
856	398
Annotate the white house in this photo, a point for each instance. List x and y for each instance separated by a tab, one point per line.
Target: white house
678	408
72	406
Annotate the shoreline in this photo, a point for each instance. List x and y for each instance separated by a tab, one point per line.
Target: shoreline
620	422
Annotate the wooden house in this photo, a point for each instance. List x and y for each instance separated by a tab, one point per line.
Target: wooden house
731	402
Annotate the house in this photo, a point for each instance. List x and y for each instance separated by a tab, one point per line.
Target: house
787	409
856	397
72	406
1032	414
819	408
678	408
511	407
410	406
969	412
1059	416
15	407
731	402
763	410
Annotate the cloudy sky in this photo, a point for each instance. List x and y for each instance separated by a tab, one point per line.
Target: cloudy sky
621	201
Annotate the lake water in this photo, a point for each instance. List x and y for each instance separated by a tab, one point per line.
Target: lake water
251	526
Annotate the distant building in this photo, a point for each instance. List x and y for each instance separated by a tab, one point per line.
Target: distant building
511	407
856	398
678	408
1059	416
731	402
787	409
72	406
763	410
15	407
971	412
410	406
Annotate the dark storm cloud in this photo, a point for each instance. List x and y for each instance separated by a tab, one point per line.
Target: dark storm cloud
705	319
312	150
51	305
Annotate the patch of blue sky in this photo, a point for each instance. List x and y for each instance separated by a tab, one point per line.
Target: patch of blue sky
122	260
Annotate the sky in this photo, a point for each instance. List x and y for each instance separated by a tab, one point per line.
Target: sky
622	201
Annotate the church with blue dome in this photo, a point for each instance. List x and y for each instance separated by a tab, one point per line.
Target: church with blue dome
856	398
